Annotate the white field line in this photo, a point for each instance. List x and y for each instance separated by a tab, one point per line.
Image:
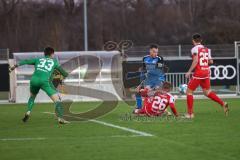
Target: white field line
41	138
23	139
123	136
139	133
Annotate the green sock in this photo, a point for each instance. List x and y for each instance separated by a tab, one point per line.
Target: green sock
59	109
30	103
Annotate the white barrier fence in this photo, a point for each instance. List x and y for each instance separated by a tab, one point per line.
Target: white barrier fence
179	78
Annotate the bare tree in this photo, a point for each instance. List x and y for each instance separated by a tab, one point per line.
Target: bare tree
69	6
27	25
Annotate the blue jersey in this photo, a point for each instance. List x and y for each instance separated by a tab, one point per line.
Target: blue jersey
153	67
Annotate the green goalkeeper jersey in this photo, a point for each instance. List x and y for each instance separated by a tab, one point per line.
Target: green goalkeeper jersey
44	67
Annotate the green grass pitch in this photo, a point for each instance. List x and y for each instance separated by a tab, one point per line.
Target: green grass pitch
210	135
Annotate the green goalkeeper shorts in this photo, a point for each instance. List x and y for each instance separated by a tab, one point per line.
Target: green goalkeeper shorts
36	84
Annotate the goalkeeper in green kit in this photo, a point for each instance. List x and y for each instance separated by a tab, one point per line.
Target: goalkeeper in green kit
41	77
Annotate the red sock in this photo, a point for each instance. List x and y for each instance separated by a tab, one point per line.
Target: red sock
190	104
215	98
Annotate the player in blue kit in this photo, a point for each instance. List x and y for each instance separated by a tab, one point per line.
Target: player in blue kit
154	74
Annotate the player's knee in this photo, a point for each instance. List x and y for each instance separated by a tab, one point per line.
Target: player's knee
138	94
189	92
206	92
33	95
56	98
57	102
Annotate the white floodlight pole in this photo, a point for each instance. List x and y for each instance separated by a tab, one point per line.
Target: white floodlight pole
85	26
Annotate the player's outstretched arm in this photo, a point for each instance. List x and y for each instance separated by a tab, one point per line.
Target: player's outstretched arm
194	64
62	71
27	61
23	62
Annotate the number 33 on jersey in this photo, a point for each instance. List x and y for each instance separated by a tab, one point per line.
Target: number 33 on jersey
44	67
45	64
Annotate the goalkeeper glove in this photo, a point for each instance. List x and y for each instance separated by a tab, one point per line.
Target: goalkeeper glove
11	68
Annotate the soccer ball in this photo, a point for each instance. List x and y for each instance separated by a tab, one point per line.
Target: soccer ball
182	88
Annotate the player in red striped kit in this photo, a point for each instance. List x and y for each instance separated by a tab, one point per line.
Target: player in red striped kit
201	59
156	105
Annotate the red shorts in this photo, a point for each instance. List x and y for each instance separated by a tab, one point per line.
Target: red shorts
194	83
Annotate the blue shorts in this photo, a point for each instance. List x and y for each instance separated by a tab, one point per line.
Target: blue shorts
153	83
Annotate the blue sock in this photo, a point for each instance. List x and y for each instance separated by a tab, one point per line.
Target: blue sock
138	101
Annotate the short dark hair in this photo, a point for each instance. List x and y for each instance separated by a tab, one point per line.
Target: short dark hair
153	46
167	85
48	51
197	37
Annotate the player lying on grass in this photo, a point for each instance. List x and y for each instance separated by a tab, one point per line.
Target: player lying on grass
156	104
40	79
201	59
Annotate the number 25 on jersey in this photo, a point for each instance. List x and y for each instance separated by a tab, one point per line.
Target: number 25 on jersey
203	58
